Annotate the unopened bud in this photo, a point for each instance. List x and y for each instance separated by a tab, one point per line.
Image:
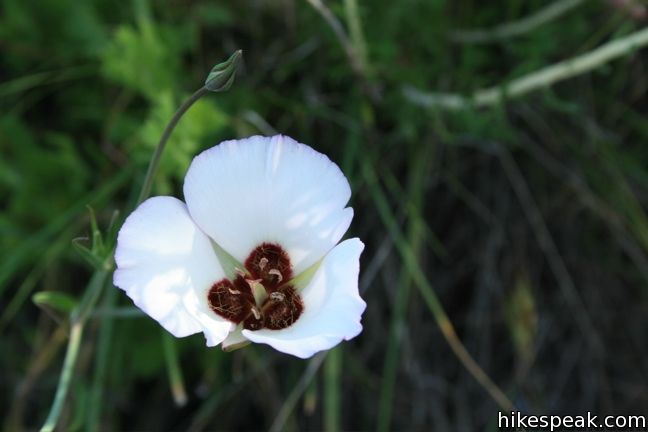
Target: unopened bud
222	75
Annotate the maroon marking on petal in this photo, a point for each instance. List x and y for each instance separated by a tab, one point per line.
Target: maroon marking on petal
232	301
282	308
270	263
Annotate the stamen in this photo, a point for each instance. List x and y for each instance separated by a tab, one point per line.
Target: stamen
277	296
276	273
263	262
256	297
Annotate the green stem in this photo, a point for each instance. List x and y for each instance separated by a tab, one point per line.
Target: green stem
332	377
77	323
296	393
80	315
155	160
66	376
219	79
543	78
175	373
356	33
397	326
93	418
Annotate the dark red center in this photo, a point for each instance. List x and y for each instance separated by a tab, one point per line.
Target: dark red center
268	265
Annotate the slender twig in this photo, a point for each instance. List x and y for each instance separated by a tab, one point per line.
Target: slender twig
427	291
353	53
516	28
66	376
548	246
537	80
77	324
332	390
176	380
40	362
398	323
29	82
297	391
93	414
356	34
340	33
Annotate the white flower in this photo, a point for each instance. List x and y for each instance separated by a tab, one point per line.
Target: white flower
277	207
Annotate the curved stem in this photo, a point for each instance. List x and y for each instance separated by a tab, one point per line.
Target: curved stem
516	28
155	160
220	79
80	314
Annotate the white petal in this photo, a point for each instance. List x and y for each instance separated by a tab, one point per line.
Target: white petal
167	265
332	307
243	193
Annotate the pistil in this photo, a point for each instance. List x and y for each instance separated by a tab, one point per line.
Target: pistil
258	291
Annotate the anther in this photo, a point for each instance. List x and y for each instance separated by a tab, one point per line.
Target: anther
263	262
276	273
233	291
256	313
277	296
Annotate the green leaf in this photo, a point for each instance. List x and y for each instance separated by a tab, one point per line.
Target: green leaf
97	255
145	59
97	239
55	300
521	317
87	254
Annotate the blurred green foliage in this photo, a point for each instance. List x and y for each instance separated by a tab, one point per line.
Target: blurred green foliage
504	211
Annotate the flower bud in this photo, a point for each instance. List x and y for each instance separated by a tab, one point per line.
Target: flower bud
222	75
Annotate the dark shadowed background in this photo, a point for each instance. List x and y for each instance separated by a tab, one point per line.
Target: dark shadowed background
506	259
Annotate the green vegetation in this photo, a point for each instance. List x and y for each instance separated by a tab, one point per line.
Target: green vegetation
506	260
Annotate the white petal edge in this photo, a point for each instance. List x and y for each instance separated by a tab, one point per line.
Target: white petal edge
166	265
332	307
269	189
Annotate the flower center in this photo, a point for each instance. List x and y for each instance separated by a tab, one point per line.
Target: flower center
260	296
